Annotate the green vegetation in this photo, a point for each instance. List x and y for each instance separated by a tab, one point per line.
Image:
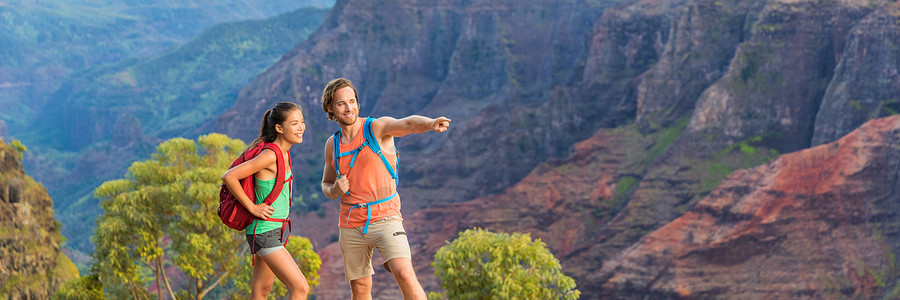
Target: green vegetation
769	28
83	288
180	89
170	196
889	108
744	154
754	56
46	43
313	203
36	240
163	215
643	146
170	94
481	264
715	171
65	269
625	185
664	138
856	283
18	146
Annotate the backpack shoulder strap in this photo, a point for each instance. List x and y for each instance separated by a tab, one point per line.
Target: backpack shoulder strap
336	140
279	173
370	137
370	142
337	154
373	144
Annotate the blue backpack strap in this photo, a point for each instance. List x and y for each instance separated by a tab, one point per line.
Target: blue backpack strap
373	144
337	141
369	211
338	154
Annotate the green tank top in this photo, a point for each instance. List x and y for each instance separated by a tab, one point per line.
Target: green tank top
281	204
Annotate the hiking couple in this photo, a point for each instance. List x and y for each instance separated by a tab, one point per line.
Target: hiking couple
360	169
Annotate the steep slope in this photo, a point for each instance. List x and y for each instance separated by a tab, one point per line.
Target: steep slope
688	91
31	263
46	42
118	113
176	92
562	202
501	70
866	83
761	102
817	223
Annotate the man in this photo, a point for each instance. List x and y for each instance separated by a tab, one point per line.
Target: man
366	182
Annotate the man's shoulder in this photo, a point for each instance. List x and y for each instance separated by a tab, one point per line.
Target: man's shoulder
329	142
378	123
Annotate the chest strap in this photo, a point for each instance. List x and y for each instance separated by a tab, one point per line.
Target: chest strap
368	211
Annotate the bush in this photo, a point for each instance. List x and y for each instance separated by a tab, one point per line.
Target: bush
481	264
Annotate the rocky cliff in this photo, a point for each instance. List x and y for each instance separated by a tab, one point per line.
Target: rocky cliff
589	124
817	223
499	69
781	58
31	263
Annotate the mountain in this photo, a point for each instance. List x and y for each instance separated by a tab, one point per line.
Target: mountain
605	128
174	93
816	223
463	60
589	124
32	266
102	119
46	42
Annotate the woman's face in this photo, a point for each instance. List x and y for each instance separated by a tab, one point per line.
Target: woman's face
293	127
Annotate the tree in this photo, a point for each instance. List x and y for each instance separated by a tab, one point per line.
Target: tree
18	146
83	288
481	264
163	214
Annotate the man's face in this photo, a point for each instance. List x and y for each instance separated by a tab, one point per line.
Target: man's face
345	106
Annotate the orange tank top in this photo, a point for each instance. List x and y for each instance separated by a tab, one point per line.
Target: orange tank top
369	181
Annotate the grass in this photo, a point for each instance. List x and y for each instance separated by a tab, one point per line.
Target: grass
664	139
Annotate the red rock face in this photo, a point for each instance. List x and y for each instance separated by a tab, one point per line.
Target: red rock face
500	70
555	203
674	88
817	223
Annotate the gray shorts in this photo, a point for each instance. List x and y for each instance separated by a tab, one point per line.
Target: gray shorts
265	243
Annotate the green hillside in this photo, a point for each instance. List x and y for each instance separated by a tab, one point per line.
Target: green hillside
135	103
43	43
175	93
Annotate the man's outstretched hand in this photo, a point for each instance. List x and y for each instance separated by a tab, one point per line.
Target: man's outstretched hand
440	124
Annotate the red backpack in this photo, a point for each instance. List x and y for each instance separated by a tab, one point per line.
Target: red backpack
236	215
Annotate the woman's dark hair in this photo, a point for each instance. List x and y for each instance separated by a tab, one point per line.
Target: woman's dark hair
274	116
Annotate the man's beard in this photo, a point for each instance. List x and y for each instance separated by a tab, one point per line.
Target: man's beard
345	123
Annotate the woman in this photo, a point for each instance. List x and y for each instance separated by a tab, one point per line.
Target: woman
283	126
